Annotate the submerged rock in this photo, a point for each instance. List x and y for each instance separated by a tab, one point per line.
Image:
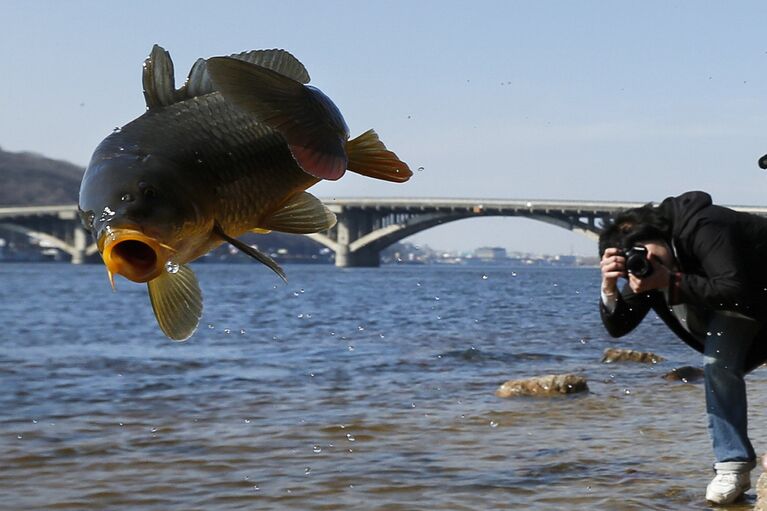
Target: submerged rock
611	355
549	385
685	374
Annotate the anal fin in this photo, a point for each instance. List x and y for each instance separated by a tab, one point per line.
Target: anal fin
252	252
177	302
302	214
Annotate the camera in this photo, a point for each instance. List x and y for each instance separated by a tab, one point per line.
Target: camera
637	263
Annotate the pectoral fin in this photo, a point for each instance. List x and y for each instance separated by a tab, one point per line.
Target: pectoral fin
252	252
302	214
311	124
177	302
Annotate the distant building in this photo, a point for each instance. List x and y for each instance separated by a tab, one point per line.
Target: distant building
490	253
565	260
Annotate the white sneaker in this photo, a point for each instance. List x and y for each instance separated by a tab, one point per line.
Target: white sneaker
728	486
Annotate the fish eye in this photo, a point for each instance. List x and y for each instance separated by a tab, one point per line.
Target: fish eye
147	190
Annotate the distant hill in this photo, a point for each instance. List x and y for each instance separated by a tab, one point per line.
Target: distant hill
29	179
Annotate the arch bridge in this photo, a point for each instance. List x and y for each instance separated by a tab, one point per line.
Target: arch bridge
365	225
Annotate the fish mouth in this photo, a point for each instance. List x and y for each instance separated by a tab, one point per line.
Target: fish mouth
134	255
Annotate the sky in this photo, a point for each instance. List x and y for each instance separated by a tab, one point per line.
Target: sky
587	100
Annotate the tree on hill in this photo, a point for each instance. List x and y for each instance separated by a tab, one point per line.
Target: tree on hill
29	179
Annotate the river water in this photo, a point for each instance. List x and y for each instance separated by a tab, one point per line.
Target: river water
364	389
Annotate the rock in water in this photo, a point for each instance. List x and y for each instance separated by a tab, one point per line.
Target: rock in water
549	385
761	493
623	355
685	374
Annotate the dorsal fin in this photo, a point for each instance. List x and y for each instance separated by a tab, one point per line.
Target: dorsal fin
160	83
158	79
199	83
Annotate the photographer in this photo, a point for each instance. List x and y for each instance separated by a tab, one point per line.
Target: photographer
703	270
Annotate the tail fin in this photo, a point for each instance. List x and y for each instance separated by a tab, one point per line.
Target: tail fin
368	156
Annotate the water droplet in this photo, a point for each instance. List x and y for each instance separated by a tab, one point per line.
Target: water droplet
513	274
420	169
121	148
351	348
583	341
484	277
117	129
154	430
361	328
247	421
436	298
120	423
350	437
255	487
227	331
418	284
317	449
307	471
381	336
300	316
171	267
295	293
34	421
19	437
493	424
210	326
626	391
242	331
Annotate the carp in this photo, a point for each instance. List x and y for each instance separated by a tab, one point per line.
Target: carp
233	150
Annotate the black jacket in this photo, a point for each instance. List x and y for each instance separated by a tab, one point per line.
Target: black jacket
722	257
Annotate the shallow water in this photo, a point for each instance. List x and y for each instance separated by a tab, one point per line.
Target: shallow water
344	389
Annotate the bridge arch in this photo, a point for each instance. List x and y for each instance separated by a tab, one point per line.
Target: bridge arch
364	230
57	226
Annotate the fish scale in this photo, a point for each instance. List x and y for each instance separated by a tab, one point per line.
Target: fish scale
245	161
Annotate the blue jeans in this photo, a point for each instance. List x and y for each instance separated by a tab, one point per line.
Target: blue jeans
727	342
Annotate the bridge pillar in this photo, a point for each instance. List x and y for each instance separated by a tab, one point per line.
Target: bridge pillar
360	258
348	230
79	243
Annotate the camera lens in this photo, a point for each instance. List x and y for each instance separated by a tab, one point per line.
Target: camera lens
637	263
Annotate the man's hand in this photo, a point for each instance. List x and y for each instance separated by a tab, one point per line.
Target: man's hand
658	279
613	266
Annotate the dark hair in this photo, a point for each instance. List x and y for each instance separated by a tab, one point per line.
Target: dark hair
633	226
